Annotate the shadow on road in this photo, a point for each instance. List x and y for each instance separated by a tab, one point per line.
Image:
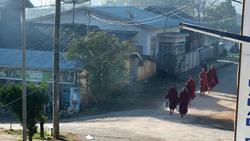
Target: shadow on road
205	103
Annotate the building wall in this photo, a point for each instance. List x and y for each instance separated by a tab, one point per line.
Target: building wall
98	2
192	60
141	39
146	38
147	70
195	57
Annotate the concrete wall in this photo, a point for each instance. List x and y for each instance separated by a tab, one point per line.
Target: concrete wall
147	70
192	60
207	53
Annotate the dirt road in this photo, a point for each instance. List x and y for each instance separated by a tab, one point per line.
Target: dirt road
210	118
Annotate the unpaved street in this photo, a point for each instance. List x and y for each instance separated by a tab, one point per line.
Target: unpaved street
203	123
210	118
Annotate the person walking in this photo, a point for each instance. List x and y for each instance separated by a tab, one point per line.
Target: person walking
204	65
203	82
191	87
214	77
184	101
172	97
209	80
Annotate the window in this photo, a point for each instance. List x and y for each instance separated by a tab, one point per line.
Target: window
180	47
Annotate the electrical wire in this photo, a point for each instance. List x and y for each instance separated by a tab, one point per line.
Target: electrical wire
208	22
86	64
146	20
142	23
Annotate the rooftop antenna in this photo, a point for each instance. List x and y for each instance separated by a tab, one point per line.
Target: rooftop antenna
74	2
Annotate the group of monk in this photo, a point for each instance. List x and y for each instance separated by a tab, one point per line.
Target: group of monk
186	95
208	80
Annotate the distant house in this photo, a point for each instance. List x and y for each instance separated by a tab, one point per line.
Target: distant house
39	69
127	21
142	28
39	57
39	53
193	41
10	10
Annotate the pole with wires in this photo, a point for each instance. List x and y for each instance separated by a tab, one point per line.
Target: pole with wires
242	123
24	98
74	7
56	44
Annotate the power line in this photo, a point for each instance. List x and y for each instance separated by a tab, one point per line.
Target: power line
86	64
145	21
208	22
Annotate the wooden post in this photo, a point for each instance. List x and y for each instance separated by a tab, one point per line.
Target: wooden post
24	98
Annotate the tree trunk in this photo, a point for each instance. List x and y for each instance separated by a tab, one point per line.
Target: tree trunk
30	136
41	130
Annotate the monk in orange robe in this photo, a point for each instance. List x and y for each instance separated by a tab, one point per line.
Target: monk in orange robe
173	98
191	87
203	82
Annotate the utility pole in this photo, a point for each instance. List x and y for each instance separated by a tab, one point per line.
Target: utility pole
24	98
88	28
74	7
56	44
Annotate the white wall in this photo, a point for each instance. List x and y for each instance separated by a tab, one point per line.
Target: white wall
97	2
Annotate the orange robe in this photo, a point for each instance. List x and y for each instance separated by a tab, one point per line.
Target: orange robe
184	101
214	78
191	88
173	97
203	82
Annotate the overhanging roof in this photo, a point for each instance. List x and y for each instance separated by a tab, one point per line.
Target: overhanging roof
5	4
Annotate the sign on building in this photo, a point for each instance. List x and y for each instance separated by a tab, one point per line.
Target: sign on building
66	77
75	99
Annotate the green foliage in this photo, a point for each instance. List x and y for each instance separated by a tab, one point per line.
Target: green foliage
233	56
37	97
225	10
103	57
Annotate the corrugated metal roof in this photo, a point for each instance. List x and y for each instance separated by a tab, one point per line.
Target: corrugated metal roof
123	14
39	36
12	58
178	15
138	15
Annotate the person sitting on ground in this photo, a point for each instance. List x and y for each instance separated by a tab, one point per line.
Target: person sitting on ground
184	101
172	96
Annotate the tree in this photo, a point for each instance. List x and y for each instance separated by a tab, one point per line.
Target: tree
103	57
225	14
42	119
37	97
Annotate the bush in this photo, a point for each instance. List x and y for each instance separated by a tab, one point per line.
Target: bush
37	97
